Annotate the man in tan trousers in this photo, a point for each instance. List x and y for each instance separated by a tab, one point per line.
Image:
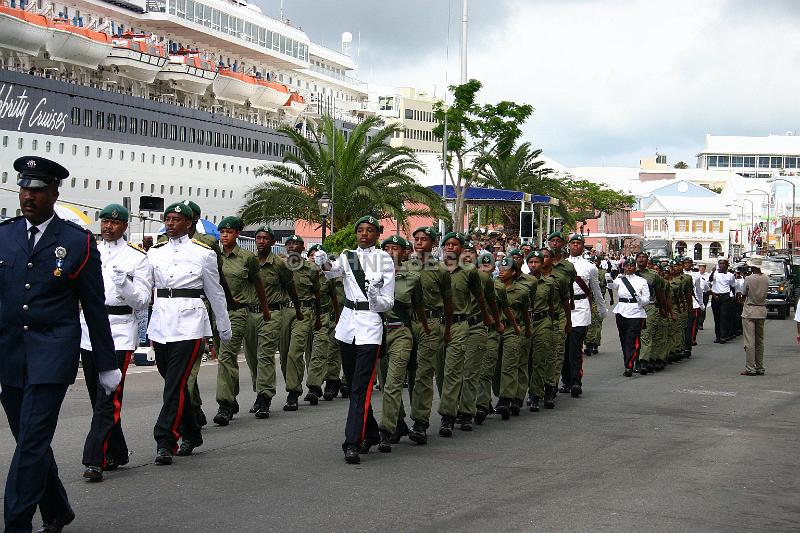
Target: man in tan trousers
754	314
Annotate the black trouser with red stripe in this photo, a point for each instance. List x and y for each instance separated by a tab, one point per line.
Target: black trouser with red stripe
175	361
692	323
572	369
359	362
630	331
105	439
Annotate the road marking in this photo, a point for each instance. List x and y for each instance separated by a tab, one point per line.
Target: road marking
703	392
781	391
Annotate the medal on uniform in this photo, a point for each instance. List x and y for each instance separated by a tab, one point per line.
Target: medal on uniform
61	253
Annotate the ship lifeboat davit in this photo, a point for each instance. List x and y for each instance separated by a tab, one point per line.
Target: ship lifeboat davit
295	105
235	87
23	32
188	72
132	56
271	95
76	45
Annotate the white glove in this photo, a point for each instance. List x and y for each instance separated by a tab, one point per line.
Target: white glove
118	276
602	311
320	258
702	307
225	335
109	380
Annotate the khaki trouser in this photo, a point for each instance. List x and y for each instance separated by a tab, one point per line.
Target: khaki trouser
333	367
428	350
399	342
524	365
227	359
542	346
650	335
320	351
488	364
260	346
594	334
753	332
293	365
513	347
555	355
462	369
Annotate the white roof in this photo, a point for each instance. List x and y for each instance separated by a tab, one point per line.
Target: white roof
739	144
680	204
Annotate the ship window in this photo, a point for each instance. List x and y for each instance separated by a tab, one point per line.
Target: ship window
224	167
162	189
110	155
131	187
216	140
224	140
153	127
133	157
34	144
247	144
173	132
190	191
99	119
215	193
74	149
3	212
192	135
163	160
208	138
182	137
180	190
208	165
120	186
269	148
154	158
112	121
152	188
122	155
240	169
109	185
255	146
141	187
172	189
47	146
5	177
223	193
97	184
172	161
76	116
87	118
263	147
240	143
72	183
99	152
201	135
134	123
181	162
5	141
123	124
216	167
164	130
86	184
206	193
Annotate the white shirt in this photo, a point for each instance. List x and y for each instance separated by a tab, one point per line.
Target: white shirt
641	293
184	264
135	292
364	327
722	282
41	227
697	288
582	314
738	285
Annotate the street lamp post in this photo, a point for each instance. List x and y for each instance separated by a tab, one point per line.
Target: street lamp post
762	191
324	204
752	222
730	246
791	241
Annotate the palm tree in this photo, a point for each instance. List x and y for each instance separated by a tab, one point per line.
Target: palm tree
369	177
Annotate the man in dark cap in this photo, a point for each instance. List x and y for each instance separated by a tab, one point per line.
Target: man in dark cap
48	269
128	283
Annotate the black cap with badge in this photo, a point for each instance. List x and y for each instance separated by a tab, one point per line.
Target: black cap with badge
37	172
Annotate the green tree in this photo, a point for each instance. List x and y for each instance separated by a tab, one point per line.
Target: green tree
680	164
343	239
477	133
587	200
369	177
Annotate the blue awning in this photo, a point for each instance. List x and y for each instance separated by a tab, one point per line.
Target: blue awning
480	194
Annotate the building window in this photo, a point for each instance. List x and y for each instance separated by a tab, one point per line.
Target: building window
716	226
790	162
698	226
763	162
681	225
723	161
775	162
680	247
715	249
698	252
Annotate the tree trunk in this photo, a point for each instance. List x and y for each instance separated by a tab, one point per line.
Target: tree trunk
460	209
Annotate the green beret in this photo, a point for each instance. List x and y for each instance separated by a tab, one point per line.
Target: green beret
507	262
193	206
295	238
576	237
395	239
535	253
469	246
234	223
515	251
265	229
368	220
181	209
427	230
556	234
485	259
114	212
453	235
687	258
316	247
630	260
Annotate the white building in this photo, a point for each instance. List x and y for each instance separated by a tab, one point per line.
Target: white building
413	110
756	157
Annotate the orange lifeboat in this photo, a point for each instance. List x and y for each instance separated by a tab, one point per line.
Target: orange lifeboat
271	96
188	72
295	105
23	32
235	87
133	56
76	45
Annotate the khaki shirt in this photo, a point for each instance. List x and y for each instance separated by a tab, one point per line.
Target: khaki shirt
407	295
240	269
467	287
306	281
565	274
515	298
655	283
545	294
756	287
489	294
436	282
277	279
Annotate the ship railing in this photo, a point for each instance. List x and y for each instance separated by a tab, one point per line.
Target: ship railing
156	6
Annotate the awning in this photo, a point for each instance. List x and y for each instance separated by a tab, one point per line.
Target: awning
477	195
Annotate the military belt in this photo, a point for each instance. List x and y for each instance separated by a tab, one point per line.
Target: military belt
179	293
395	325
434	313
356	306
541	315
470	320
303	303
628	300
580	297
274	307
119	310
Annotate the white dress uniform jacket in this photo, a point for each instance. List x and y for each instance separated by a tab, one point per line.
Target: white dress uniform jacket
582	314
364	327
697	289
723	282
641	293
135	291
185	264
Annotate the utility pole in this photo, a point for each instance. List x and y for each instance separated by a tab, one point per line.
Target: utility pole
464	25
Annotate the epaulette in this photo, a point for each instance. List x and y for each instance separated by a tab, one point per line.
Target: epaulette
9	220
204	245
159	244
74	225
137	247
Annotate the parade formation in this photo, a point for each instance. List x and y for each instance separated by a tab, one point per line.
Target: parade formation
492	335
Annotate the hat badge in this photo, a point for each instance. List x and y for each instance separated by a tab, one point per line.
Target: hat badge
114	213
31	164
177	209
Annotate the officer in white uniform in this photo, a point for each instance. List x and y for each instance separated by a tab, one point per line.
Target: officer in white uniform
369	290
184	270
586	288
128	283
633	295
693	322
722	284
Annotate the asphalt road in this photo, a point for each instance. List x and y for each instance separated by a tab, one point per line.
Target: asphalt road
694	448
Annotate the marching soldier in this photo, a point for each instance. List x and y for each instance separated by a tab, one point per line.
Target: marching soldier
693	322
565	274
545	300
183	271
240	269
490	358
655	310
265	337
594	335
128	284
48	268
633	297
306	283
722	284
334	380
321	353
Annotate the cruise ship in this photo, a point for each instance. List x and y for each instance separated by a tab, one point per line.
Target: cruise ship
175	99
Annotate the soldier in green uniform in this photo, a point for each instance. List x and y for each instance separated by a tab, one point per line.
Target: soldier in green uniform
437	297
408	301
687	290
320	351
306	283
518	255
333	382
565	275
545	301
515	302
594	335
655	312
240	269
491	353
663	335
681	297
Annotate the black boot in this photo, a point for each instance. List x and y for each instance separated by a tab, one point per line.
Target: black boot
345	391
502	408
200	416
446	428
549	397
262	406
331	390
223	416
291	401
576	391
400	431
480	414
534	408
385	445
418	434
464	422
514	406
644	368
313	395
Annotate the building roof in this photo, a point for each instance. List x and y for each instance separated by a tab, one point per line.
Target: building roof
676	205
480	194
788	144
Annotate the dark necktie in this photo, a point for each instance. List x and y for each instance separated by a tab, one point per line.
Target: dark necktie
32	239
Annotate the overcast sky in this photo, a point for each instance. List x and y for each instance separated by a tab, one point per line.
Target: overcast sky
611	81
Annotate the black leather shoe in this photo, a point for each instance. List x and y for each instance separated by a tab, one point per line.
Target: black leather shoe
514	407
291	402
365	446
418	434
163	457
594	349
199	416
534	408
502	409
57	524
187	447
93	473
331	390
262	409
223	416
464	422
313	395
628	373
717	341
564	390
446	428
400	431
480	414
255	407
344	390
351	456
643	369
549	398
576	391
385	446
113	464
